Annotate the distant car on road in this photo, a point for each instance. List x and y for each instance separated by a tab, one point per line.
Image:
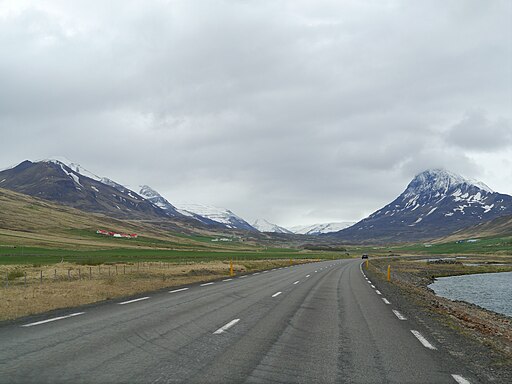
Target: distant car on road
365	256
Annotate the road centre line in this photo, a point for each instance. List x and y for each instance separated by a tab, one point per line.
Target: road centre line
227	279
297	282
256	273
226	327
459	379
385	301
241	277
265	271
277	294
373	286
134	300
369	282
308	275
399	315
423	341
53	319
378	292
178	290
205	284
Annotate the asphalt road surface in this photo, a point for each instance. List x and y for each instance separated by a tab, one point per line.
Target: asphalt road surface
313	323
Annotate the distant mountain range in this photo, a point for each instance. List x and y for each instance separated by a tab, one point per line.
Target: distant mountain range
68	183
436	203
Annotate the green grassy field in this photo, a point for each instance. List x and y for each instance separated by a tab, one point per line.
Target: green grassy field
484	246
33	255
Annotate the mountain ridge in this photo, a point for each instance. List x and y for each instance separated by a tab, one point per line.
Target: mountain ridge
435	203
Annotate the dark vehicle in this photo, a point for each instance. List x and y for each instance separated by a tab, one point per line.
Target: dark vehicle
365	256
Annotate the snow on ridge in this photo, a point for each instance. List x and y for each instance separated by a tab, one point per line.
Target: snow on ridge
220	215
263	225
320	228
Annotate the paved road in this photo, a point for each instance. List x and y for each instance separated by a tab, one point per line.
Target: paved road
314	323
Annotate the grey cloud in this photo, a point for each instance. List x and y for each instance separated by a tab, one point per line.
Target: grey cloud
295	111
477	132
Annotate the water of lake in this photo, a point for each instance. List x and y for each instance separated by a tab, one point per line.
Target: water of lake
492	291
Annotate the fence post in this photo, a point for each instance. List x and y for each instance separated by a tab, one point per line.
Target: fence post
124	269
55	274
79	274
41	277
6	279
109	270
69	274
116	269
25	279
90	273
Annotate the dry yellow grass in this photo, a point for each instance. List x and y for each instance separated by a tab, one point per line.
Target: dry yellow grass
60	290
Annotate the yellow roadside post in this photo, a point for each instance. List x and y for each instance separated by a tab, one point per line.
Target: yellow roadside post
389	272
231	271
366	263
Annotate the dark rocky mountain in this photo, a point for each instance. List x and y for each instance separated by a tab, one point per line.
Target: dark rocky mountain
55	181
436	203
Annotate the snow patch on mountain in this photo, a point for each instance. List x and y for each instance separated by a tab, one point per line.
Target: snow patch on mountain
263	225
318	229
220	215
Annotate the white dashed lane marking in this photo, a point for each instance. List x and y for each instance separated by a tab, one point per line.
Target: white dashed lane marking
378	292
297	282
178	290
134	300
399	315
308	275
276	294
205	284
461	380
226	327
53	319
227	279
385	301
422	340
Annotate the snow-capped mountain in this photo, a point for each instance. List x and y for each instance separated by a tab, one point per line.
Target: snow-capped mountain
220	215
435	203
70	184
318	229
155	198
263	225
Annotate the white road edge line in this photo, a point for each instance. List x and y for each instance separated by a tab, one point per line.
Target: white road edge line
422	340
178	290
134	300
226	327
399	315
385	301
205	284
277	294
53	319
297	282
459	379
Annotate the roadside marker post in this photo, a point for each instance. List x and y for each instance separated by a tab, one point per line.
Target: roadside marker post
389	272
366	263
231	271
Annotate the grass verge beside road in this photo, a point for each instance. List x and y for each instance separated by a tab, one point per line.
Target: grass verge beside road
70	285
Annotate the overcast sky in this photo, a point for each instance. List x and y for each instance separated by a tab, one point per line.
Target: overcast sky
295	111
